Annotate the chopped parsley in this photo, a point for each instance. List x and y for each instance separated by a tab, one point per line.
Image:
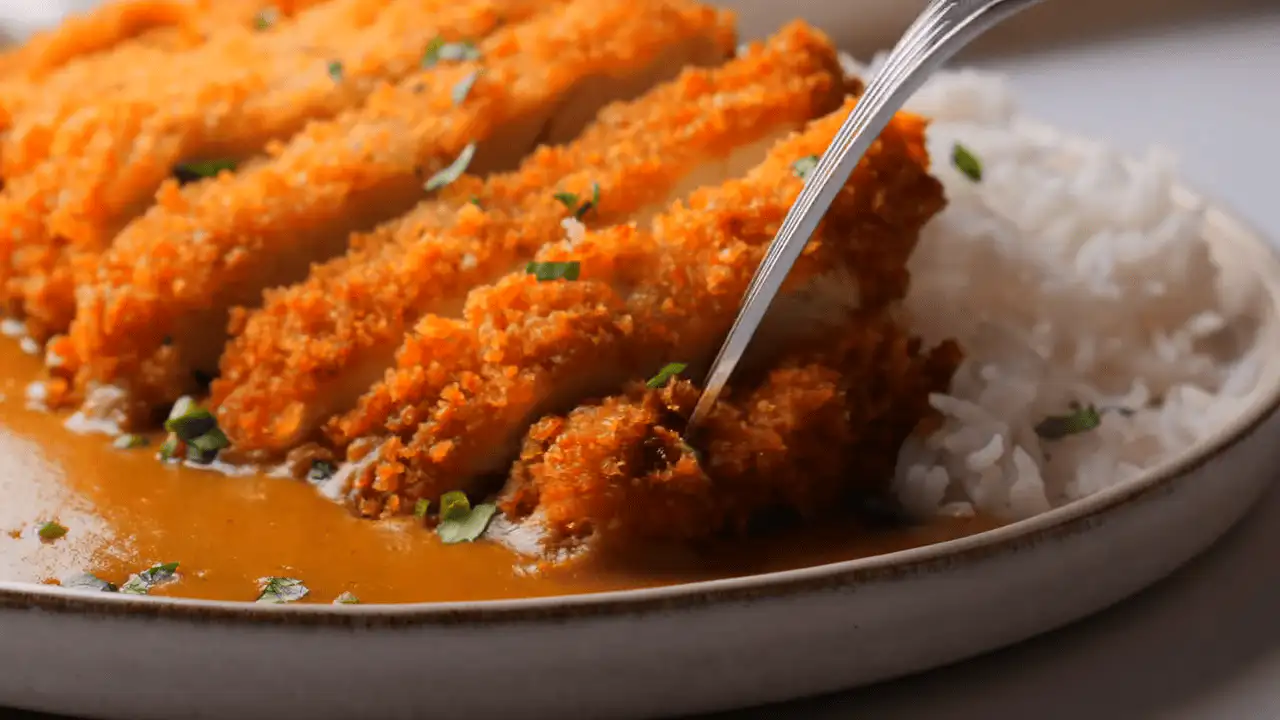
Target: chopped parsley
199	170
188	420
664	375
51	531
454	171
463	88
804	166
548	271
143	582
421	507
1080	420
440	51
320	471
130	441
454	505
89	581
171	449
476	201
570	201
347	598
966	163
459	522
195	428
266	18
335	70
281	590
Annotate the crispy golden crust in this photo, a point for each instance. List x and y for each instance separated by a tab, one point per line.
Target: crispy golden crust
280	376
819	427
645	298
228	99
167	25
205	248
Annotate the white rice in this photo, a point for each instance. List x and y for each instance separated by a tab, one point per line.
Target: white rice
1068	276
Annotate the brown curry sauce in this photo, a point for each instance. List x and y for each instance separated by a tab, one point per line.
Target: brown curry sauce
126	511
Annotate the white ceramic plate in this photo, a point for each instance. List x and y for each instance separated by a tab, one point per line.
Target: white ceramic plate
691	648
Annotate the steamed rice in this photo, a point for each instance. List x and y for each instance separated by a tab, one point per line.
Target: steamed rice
1068	275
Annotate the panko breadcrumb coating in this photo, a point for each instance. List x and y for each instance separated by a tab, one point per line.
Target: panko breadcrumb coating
313	347
100	165
156	24
158	308
822	427
464	390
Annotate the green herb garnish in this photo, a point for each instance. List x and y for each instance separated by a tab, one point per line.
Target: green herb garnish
1081	420
202	169
335	70
421	507
804	166
171	448
570	201
51	531
320	471
454	505
89	581
476	201
665	374
966	163
143	582
266	18
440	51
197	428
454	171
130	441
188	420
548	271
463	88
281	590
347	598
459	522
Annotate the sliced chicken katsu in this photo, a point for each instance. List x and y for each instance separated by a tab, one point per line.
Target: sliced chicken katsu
73	184
820	429
156	24
313	348
465	390
157	308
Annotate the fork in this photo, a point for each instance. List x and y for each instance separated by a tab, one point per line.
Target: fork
939	32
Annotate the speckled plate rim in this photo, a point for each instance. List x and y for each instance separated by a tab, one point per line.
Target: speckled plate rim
1070	519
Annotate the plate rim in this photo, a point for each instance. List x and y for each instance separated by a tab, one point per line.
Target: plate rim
1065	521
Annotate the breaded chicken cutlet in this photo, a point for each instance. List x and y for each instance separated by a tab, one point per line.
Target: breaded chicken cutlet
464	390
157	306
821	428
164	25
314	347
76	174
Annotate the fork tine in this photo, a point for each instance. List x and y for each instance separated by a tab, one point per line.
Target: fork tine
942	28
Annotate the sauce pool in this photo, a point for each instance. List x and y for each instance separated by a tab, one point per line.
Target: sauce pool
126	511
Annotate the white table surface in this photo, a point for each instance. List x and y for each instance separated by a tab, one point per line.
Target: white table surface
1204	644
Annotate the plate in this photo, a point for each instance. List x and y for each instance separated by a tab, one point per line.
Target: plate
684	649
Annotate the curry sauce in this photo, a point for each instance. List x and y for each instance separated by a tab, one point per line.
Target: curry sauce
125	511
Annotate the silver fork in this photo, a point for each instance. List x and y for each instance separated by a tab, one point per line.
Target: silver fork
939	32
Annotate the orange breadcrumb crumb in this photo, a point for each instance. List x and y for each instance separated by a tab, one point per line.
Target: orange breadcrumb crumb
314	347
823	426
524	348
177	271
159	24
78	177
